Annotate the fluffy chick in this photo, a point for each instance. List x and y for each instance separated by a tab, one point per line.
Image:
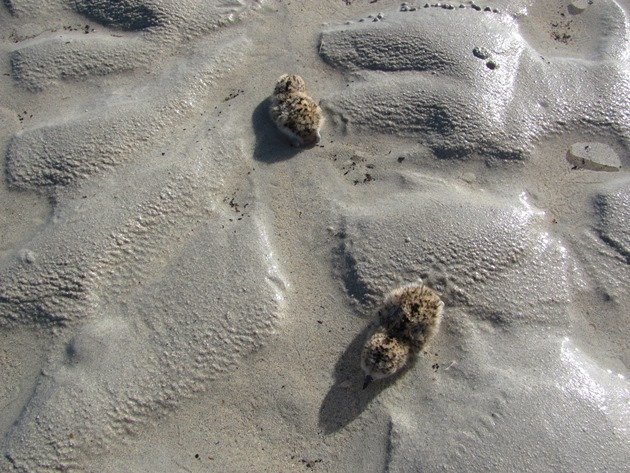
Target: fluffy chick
409	317
289	84
412	313
295	113
383	356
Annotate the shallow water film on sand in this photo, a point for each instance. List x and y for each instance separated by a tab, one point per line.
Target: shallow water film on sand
181	289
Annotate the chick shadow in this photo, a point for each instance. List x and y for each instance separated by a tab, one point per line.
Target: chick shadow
271	145
347	398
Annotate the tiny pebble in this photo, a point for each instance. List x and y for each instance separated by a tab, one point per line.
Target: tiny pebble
481	53
578	6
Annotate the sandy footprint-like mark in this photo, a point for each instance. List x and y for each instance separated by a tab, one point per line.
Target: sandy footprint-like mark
468	82
149	282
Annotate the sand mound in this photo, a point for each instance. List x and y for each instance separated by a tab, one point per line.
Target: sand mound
130	361
498	247
41	65
125	14
118	129
456	75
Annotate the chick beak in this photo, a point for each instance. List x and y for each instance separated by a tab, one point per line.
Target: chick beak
368	379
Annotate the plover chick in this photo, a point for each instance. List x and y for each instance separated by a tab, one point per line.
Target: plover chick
412	313
409	317
289	84
383	356
295	113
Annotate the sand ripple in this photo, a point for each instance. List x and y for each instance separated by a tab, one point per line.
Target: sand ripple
439	90
492	256
150	283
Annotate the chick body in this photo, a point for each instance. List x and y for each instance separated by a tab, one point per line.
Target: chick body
383	355
294	112
412	314
409	317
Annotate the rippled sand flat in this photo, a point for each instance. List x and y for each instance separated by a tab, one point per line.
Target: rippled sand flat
183	290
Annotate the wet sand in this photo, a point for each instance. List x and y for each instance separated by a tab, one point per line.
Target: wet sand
183	290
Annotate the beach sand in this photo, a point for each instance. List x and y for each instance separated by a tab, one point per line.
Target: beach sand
183	290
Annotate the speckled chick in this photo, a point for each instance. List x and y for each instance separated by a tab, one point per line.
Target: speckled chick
409	317
412	313
383	356
294	112
289	84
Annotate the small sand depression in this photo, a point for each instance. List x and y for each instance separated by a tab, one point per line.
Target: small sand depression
593	156
127	14
613	209
41	65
